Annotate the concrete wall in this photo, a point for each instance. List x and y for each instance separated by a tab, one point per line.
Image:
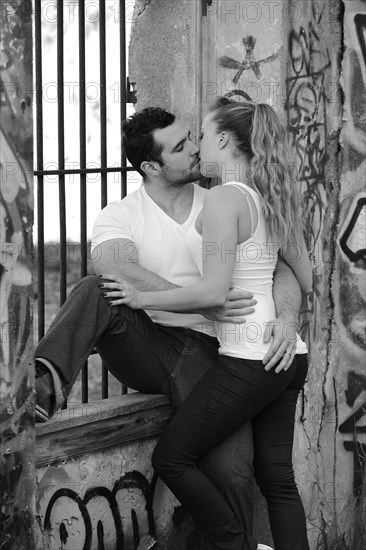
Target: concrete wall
16	217
307	59
164	56
246	54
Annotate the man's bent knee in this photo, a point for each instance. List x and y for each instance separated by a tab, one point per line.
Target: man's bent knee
89	283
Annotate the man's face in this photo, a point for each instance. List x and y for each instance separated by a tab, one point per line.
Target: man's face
180	155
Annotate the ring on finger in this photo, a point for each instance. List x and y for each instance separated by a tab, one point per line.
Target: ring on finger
288	353
123	295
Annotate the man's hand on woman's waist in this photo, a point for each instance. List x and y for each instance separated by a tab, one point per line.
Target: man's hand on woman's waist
239	303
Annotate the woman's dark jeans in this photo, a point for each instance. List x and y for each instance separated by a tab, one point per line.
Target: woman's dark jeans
231	393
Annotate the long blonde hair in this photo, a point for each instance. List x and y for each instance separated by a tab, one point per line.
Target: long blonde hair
260	135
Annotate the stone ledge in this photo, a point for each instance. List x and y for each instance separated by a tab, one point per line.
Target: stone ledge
99	425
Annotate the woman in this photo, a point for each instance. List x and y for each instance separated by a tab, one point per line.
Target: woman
242	226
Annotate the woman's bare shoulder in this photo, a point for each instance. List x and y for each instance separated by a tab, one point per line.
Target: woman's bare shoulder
225	195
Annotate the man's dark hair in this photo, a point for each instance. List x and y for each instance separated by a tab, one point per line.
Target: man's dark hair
137	135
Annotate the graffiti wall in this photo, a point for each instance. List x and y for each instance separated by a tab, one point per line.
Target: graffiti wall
349	292
108	501
333	212
16	216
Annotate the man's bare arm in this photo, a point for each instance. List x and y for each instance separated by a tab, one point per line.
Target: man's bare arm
286	292
287	296
120	256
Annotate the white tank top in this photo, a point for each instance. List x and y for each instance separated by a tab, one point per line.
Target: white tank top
253	271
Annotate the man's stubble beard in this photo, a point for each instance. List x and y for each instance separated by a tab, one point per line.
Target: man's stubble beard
177	179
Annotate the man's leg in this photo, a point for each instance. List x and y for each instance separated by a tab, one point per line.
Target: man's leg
230	466
143	355
137	352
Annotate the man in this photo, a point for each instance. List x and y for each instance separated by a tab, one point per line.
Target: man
142	238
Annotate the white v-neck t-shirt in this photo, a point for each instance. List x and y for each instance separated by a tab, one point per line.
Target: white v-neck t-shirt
160	246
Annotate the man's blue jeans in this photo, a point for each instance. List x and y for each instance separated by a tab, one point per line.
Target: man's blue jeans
152	359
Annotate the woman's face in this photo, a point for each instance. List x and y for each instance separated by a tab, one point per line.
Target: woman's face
209	147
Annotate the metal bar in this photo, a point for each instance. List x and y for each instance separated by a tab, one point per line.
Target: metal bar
82	171
123	84
61	146
103	134
104	382
123	100
40	194
103	99
84	383
82	131
83	208
198	72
